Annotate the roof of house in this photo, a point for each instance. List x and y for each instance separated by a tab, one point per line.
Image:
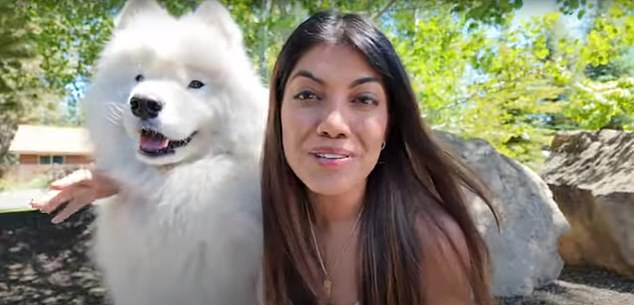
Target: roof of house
34	139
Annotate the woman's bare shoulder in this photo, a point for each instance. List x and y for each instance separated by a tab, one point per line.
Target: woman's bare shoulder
446	260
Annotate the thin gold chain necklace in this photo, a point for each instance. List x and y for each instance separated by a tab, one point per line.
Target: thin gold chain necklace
327	284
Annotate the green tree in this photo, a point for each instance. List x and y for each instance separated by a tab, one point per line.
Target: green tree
513	89
525	75
603	97
22	98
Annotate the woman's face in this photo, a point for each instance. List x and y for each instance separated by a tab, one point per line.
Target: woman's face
334	119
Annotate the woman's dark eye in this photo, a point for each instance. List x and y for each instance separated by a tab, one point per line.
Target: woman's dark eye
366	100
305	95
139	78
196	84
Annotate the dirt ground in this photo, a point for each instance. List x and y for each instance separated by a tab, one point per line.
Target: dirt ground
48	264
42	263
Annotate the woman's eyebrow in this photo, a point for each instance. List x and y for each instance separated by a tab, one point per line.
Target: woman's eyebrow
309	75
356	82
364	80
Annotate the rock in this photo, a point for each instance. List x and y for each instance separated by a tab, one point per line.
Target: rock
524	251
591	175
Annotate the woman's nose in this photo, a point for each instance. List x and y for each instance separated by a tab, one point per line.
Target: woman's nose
333	122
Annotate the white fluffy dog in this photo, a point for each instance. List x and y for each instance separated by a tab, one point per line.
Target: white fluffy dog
177	113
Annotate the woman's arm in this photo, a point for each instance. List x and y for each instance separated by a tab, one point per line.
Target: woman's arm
75	191
446	262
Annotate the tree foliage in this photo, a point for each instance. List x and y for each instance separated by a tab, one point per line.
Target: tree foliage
474	70
603	96
22	95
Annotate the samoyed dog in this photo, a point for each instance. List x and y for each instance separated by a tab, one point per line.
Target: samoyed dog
176	114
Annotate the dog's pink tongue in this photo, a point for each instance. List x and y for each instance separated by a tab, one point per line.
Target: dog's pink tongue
153	143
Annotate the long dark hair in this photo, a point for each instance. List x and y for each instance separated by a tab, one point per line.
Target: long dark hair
415	177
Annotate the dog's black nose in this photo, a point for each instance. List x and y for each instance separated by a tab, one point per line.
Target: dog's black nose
145	107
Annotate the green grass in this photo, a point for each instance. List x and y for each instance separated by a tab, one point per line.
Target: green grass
5	211
10	184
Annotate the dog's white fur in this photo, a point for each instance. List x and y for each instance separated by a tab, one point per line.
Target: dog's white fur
184	228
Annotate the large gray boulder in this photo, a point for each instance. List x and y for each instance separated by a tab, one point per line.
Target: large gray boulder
524	251
591	175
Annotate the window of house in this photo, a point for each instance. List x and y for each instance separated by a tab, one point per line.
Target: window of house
47	159
57	159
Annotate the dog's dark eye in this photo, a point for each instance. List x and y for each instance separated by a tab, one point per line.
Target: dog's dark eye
139	78
196	84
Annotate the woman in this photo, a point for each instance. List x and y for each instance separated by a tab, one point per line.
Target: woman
360	181
360	204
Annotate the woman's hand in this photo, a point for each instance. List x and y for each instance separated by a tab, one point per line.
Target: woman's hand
73	192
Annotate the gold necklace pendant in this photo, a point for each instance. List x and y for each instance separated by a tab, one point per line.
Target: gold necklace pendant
328	288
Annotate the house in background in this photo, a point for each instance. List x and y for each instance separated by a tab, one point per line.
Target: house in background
41	149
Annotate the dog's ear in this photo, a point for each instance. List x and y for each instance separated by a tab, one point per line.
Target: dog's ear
215	14
133	8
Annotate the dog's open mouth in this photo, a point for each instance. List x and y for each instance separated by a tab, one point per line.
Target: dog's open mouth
155	144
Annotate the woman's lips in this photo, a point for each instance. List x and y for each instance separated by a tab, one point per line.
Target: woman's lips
331	156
